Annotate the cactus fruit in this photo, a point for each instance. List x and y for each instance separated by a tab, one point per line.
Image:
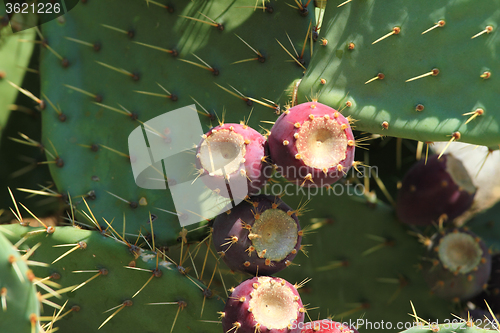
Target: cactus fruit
233	153
312	145
261	235
263	304
383	58
492	293
327	326
433	191
460	264
19	306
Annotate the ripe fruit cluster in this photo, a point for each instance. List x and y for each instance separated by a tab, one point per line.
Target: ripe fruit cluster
310	145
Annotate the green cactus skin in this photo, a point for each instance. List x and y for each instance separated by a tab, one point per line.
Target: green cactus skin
103	261
361	261
18	114
83	163
19	307
14	56
461	61
24	163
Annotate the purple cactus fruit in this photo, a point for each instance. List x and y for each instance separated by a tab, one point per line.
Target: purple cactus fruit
259	236
327	326
439	190
459	266
232	153
263	304
492	294
312	145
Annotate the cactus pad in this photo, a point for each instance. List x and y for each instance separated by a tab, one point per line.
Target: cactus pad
100	275
109	67
19	306
402	78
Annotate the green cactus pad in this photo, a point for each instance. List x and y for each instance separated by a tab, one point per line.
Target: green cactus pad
362	262
430	108
116	276
14	57
19	307
110	66
20	149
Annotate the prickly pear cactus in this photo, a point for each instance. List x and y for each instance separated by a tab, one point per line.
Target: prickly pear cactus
20	146
460	264
20	309
14	57
264	303
362	263
400	66
137	284
260	236
109	73
111	68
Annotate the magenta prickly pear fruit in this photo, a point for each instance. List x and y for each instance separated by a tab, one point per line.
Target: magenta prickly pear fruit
492	294
312	144
263	304
231	160
460	264
327	326
440	190
259	236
